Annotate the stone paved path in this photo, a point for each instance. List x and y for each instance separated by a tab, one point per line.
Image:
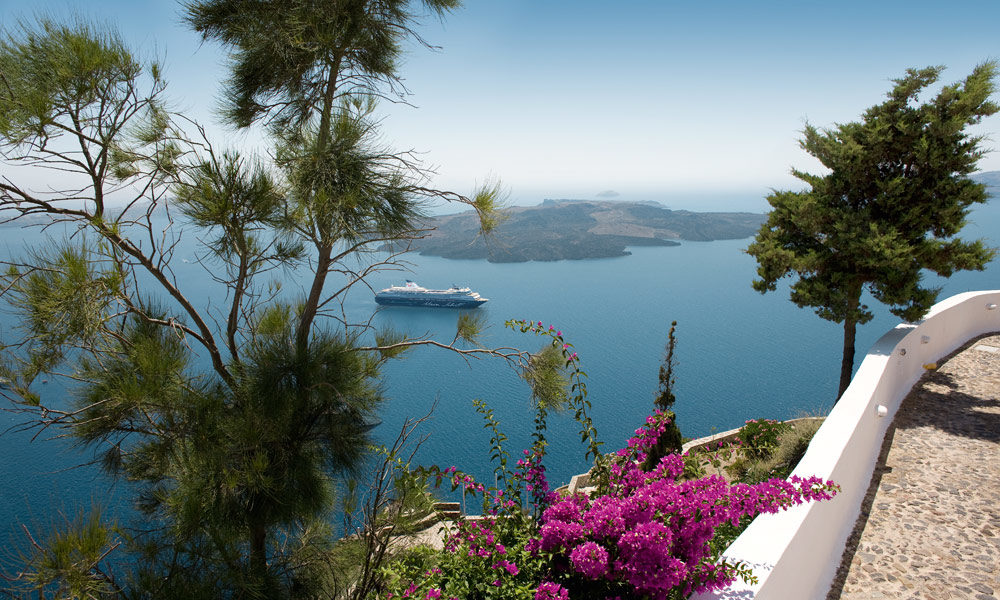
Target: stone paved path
933	512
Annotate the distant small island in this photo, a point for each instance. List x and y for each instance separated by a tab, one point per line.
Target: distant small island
579	229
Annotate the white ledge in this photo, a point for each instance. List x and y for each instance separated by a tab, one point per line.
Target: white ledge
796	553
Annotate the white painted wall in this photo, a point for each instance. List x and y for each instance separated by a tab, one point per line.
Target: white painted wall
795	554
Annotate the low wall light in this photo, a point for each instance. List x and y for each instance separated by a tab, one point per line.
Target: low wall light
881	411
902	351
991	306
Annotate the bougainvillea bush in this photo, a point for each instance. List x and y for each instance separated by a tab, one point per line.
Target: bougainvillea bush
642	534
648	535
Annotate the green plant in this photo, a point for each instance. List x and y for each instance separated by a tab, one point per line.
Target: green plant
693	466
670	440
787	452
759	437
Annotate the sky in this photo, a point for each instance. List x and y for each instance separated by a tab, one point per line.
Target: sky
696	104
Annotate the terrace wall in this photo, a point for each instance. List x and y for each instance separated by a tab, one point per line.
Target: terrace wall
795	554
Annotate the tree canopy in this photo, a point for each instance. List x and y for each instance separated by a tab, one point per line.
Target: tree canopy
892	205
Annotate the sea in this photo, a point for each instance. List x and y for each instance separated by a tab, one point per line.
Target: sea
740	355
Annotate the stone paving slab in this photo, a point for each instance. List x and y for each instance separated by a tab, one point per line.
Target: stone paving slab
930	525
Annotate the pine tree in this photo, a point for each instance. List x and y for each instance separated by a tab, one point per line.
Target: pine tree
892	205
233	463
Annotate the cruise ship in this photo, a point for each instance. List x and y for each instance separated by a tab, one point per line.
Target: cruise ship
412	294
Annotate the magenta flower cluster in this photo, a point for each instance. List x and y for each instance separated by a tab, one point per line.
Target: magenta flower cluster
590	559
645	437
651	532
551	591
475	538
462	480
532	474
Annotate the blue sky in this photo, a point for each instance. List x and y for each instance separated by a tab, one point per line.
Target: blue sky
696	103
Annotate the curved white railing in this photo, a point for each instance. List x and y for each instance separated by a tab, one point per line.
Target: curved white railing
795	554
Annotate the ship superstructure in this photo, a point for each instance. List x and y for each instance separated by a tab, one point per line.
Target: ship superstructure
412	294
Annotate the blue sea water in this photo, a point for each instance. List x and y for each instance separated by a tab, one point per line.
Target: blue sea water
740	355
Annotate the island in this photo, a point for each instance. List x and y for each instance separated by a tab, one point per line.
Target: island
567	229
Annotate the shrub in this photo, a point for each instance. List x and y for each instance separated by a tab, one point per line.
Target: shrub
759	437
788	451
649	535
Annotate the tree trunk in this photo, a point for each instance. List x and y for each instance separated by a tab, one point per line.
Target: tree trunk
311	306
324	245
847	361
258	550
